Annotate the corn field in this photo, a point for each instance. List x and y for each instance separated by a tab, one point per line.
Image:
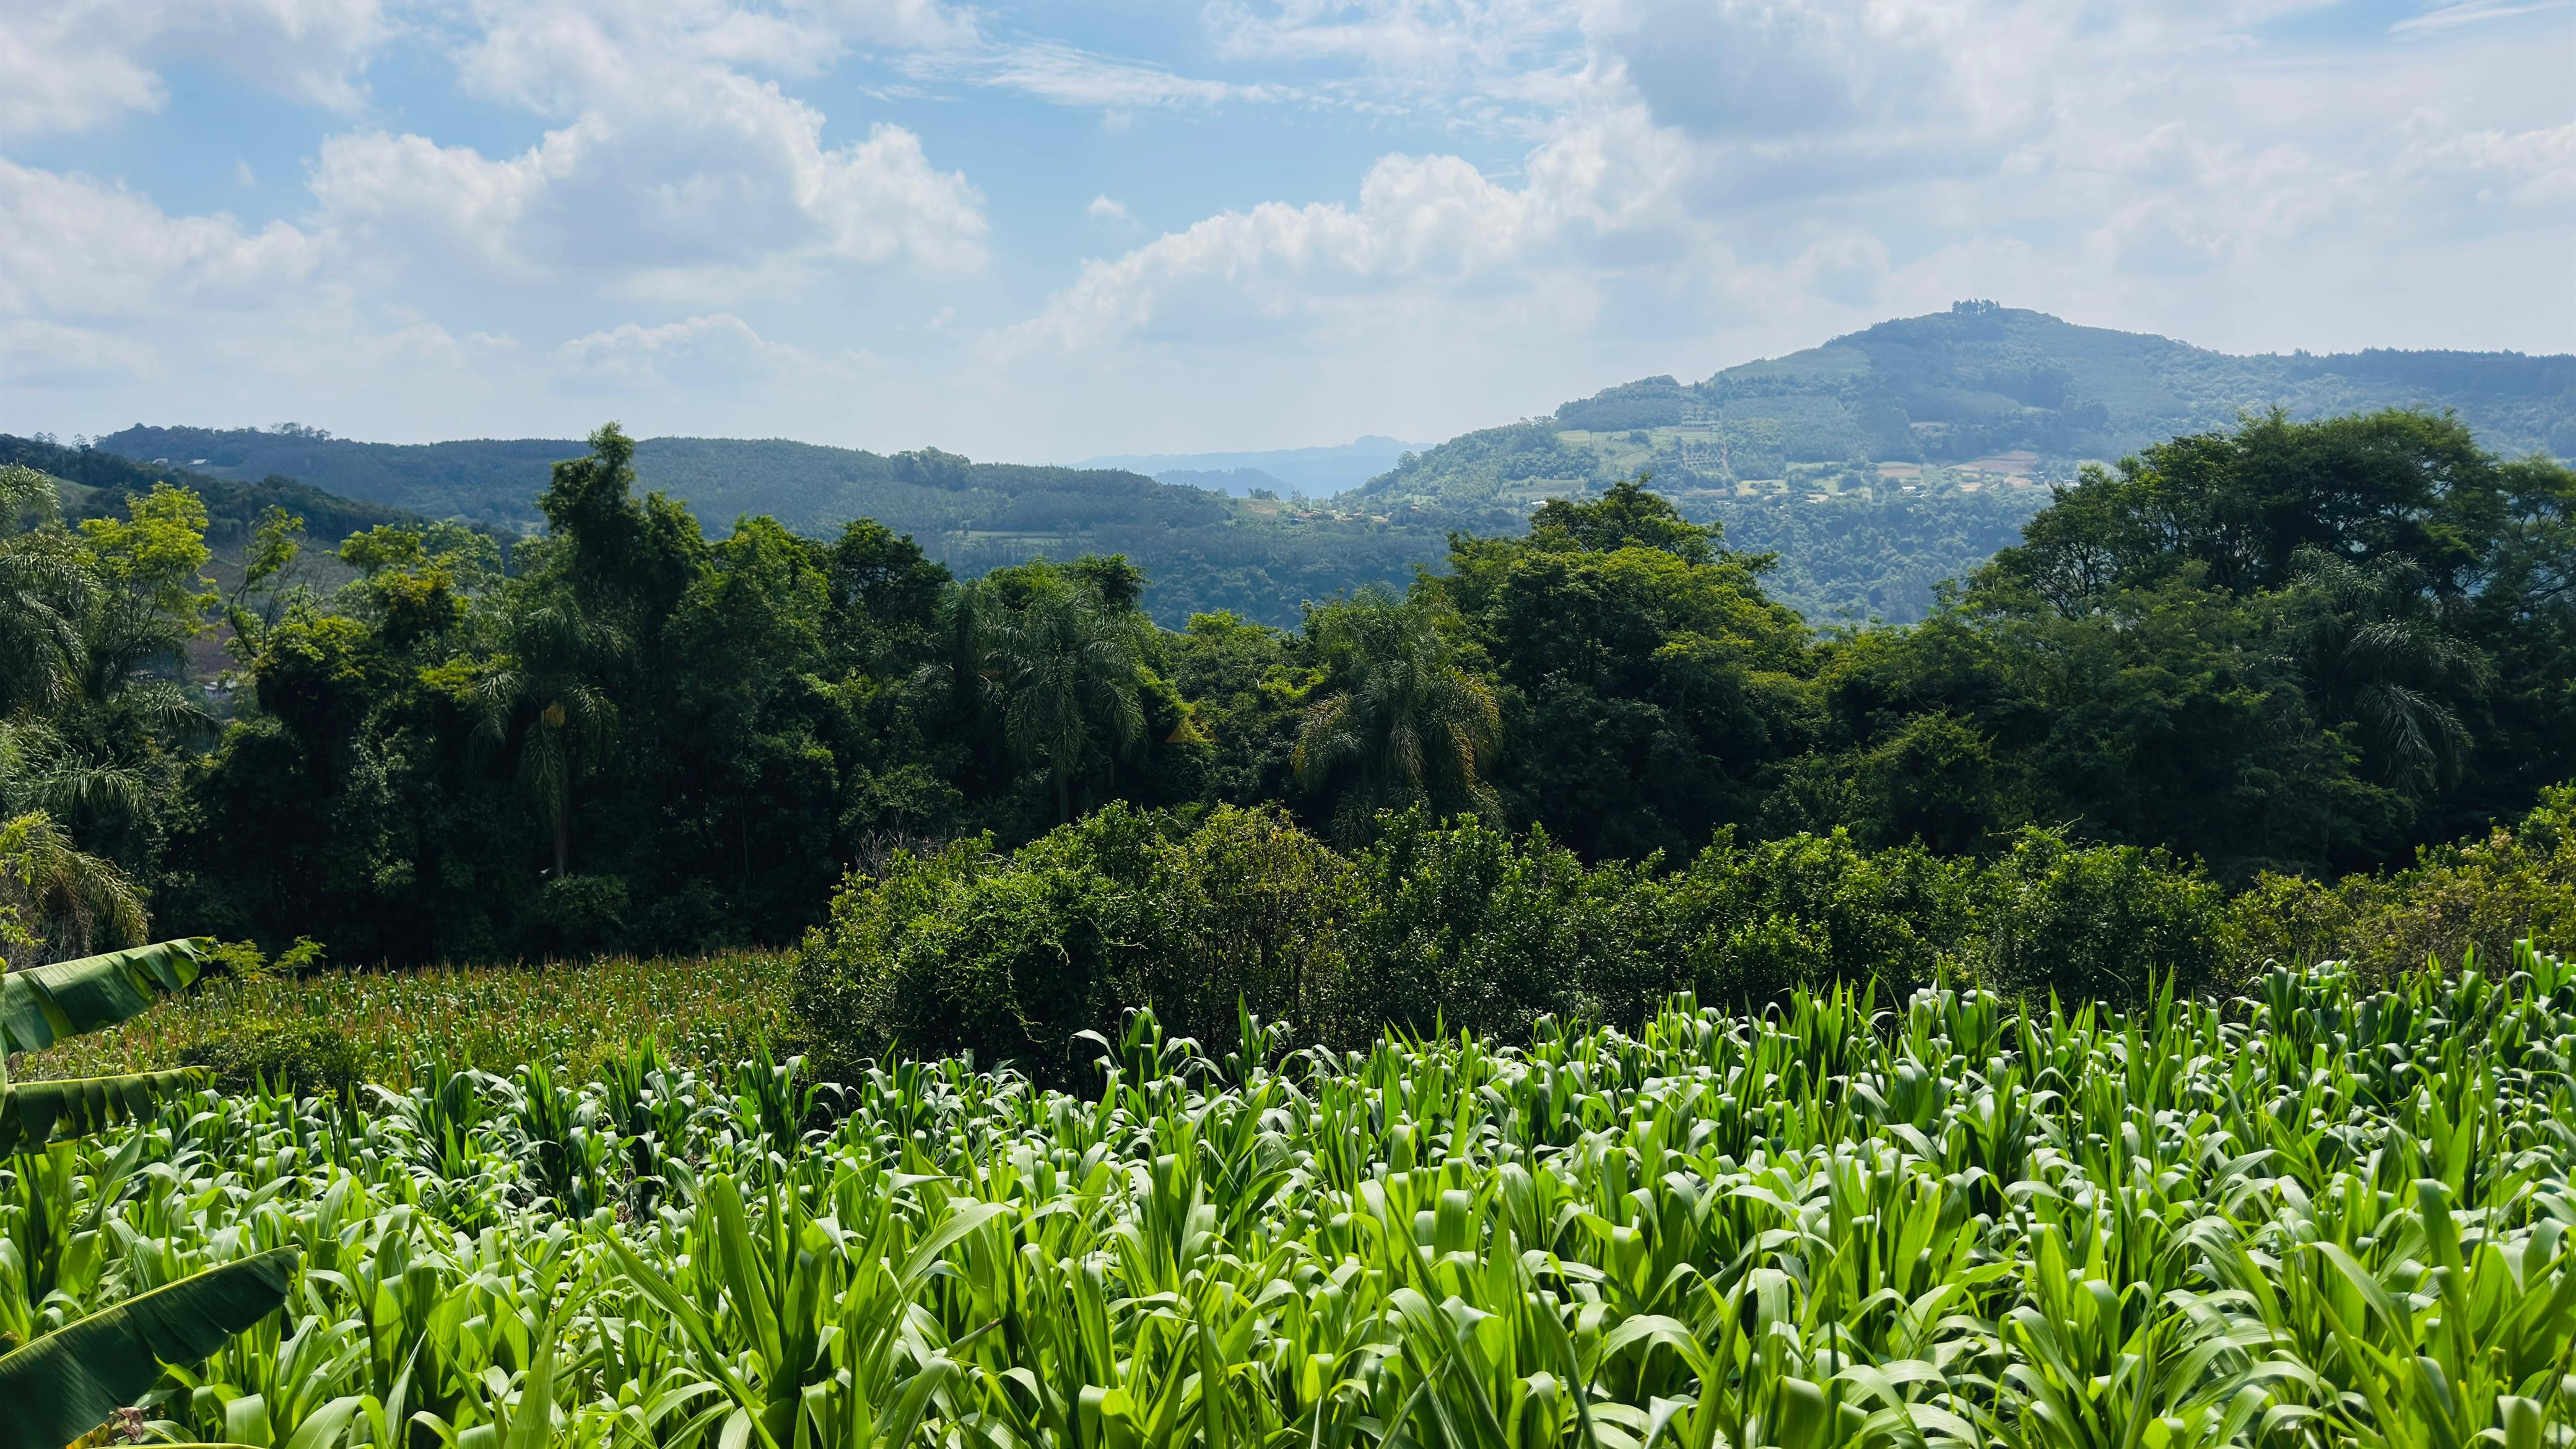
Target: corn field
2313	1217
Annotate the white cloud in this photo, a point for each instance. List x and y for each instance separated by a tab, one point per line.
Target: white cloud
82	249
1067	76
1491	43
36	353
713	351
678	172
1102	208
2468	12
1422	223
67	65
673	203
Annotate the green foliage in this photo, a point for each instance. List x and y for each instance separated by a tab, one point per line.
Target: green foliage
2313	1216
2298	648
2470	899
41	1004
76	1377
1010	956
1396	722
2111	923
300	1054
33	1114
570	1016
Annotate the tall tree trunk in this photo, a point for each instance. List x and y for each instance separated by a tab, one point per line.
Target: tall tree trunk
563	834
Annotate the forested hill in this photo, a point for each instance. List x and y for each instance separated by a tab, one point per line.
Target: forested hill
99	482
1887	460
1201	550
1875	466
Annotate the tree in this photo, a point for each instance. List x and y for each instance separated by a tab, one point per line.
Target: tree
44	595
2378	650
1068	666
1404	724
538	702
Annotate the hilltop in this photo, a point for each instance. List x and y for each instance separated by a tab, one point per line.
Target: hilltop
1896	456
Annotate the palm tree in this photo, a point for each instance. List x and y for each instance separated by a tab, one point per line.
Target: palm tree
1067	669
2376	650
538	701
44	595
1404	724
56	900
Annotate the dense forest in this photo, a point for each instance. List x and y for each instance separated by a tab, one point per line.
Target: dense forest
2287	649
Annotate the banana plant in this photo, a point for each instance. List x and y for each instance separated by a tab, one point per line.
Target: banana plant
66	1382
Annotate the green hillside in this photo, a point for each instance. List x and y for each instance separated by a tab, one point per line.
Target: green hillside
1891	458
1201	550
1875	466
97	482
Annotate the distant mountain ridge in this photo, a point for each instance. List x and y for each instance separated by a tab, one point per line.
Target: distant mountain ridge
1876	465
1888	459
1322	471
1201	550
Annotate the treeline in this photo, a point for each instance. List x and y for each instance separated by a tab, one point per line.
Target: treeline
1432	926
2303	649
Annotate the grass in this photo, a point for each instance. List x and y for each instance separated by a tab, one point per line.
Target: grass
569	1015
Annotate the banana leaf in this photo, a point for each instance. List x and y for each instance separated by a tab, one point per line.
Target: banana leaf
42	1004
34	1113
67	1383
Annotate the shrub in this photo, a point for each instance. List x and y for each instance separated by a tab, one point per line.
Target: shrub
1461	925
579	915
2480	896
2101	923
1809	910
300	1055
1009	956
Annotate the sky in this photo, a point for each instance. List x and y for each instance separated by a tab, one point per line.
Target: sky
1041	232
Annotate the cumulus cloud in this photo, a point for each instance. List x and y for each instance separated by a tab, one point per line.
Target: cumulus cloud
67	65
83	249
681	170
668	202
1435	223
720	350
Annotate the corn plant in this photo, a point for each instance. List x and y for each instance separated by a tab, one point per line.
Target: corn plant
2315	1216
74	1374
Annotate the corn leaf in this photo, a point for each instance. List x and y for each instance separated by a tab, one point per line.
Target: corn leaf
67	1383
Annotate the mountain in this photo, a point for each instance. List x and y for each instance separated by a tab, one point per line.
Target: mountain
1318	471
1889	459
98	481
1875	465
1201	550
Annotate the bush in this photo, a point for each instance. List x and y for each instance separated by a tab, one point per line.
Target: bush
1810	910
2102	923
579	915
301	1055
1010	956
2481	896
1457	924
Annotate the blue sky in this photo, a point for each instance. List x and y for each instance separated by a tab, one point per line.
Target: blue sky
1049	231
